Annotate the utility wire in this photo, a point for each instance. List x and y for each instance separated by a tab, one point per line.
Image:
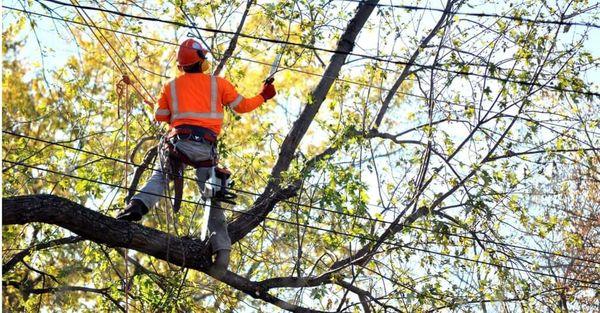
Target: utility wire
321	208
341	233
311	47
85	23
254	61
176	45
362	237
262	63
232	56
149	38
376	220
92	26
481	14
239	58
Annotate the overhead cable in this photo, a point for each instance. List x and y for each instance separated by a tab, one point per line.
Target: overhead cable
316	207
312	47
355	236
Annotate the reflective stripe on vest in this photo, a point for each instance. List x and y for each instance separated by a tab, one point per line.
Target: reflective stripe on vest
174	101
233	104
213	94
163	112
198	115
213	114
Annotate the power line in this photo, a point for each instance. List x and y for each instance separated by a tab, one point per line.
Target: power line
149	38
232	56
362	237
85	23
244	59
480	14
239	58
359	83
311	47
341	233
115	51
176	45
515	246
508	245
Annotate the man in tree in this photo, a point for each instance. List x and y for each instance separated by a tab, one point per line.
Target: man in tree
192	105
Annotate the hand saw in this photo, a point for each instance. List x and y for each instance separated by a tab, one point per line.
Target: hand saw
274	68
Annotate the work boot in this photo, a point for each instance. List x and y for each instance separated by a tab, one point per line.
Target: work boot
134	211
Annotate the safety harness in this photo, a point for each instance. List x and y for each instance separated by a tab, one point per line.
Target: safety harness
218	182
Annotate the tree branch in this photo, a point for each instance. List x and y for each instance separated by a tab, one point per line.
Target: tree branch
269	198
233	42
407	68
94	226
22	254
24	288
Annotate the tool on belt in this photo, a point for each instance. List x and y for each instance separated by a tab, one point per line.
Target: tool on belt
218	182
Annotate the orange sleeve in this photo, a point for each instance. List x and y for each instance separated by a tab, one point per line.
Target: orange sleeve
235	101
163	113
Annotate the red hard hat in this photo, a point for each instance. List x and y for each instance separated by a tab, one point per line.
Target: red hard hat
188	53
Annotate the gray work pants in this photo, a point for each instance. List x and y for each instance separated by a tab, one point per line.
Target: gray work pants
156	186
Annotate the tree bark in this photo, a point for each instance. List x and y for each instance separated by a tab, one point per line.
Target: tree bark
94	226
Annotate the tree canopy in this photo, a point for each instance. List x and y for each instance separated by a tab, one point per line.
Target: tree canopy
419	156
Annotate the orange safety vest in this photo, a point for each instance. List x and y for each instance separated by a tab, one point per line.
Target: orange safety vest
198	99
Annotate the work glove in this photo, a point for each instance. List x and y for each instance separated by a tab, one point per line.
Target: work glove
268	91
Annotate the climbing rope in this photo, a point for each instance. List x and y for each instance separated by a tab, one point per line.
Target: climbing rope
122	89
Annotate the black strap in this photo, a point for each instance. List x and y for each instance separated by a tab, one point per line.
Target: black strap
193	132
175	154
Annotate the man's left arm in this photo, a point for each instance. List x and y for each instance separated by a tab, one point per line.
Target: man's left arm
240	104
163	113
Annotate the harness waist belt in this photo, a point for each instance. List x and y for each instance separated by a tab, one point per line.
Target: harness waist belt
192	132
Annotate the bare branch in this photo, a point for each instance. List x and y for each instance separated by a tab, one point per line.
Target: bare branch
65	288
406	71
233	42
53	243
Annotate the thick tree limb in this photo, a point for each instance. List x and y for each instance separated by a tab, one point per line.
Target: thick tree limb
103	229
94	226
272	194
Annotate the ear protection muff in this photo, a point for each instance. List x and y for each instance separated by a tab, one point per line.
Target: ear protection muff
204	65
200	54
